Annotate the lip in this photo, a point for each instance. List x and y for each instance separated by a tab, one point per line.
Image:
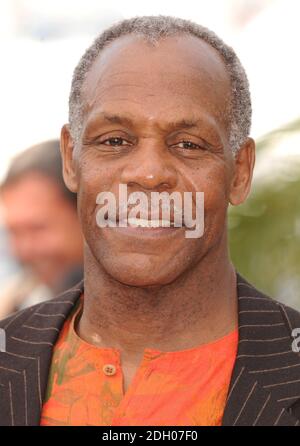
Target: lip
145	223
140	232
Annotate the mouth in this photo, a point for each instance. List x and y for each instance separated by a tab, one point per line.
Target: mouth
145	223
143	229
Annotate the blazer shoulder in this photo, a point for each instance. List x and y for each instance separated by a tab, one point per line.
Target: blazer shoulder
62	304
290	315
19	317
259	300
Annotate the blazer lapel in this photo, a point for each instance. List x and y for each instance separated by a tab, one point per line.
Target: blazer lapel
24	366
265	380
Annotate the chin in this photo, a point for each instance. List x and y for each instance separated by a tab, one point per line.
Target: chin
141	271
142	280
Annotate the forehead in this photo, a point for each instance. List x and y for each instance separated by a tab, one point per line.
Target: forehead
180	73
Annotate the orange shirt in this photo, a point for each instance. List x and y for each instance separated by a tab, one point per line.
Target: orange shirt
179	388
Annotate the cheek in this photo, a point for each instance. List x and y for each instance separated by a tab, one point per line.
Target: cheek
214	181
87	204
94	178
216	193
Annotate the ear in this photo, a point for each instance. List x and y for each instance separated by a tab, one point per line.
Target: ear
243	171
67	154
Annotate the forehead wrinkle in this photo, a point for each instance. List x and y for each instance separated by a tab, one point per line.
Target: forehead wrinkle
130	121
95	95
219	110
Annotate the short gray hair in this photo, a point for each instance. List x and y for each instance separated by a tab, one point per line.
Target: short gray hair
152	29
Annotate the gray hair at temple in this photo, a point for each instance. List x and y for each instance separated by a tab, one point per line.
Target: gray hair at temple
153	29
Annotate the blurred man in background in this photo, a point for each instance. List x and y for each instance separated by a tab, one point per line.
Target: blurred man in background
41	219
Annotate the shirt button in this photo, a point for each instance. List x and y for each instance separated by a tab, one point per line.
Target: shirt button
109	369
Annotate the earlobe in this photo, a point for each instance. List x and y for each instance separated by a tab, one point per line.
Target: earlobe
243	172
69	168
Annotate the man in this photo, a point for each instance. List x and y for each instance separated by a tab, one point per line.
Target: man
163	331
40	216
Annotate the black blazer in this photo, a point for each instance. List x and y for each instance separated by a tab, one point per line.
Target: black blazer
265	384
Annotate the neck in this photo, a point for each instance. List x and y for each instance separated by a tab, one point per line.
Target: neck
197	308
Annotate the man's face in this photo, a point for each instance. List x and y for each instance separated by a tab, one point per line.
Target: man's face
155	120
43	227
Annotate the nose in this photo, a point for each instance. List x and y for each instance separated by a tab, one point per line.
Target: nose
150	167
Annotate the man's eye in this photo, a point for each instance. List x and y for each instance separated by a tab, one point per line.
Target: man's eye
188	145
116	141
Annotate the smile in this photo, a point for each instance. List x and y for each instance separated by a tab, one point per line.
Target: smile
145	223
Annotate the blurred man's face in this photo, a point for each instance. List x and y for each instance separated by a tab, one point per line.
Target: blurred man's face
155	120
43	227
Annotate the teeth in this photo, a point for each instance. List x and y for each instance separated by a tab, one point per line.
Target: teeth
135	222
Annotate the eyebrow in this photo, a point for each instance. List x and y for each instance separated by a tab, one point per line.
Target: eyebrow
175	125
129	121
